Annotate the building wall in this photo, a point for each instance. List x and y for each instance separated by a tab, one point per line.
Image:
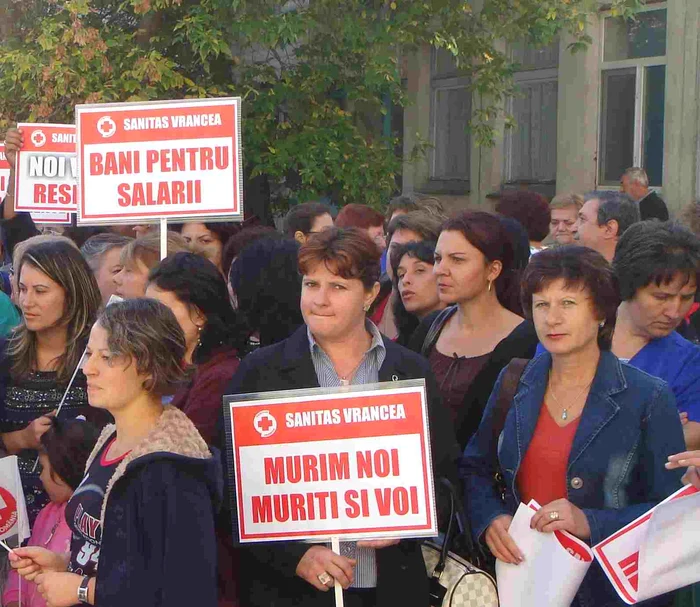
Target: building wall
578	121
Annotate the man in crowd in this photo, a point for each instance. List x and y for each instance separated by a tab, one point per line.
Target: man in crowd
603	219
635	183
564	210
305	219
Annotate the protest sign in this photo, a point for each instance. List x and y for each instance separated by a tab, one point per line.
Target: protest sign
52	217
4	172
656	553
347	463
163	159
554	566
46	171
13	508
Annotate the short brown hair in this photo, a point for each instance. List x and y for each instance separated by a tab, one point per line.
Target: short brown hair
564	201
424	224
146	249
147	332
577	266
349	253
358	216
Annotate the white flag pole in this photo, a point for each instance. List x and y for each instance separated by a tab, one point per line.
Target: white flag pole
335	546
163	237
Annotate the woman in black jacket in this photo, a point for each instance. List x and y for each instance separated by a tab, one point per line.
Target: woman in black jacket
468	343
339	346
145	510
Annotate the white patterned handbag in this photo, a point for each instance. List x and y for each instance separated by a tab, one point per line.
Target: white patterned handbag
455	582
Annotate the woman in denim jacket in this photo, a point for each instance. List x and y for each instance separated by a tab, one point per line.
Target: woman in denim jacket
586	435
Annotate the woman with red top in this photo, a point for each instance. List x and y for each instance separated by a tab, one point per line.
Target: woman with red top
586	436
194	289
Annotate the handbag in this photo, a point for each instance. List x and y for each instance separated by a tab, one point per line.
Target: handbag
453	580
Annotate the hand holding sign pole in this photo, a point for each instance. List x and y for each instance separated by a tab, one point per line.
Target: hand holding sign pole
330	464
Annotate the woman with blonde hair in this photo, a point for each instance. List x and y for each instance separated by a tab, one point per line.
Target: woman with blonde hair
59	299
138	258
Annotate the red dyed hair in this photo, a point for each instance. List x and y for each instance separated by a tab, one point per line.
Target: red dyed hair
358	216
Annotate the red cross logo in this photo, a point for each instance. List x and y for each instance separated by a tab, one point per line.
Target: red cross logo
38	138
106	126
264	423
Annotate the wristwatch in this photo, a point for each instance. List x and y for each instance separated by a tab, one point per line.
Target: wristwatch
83	590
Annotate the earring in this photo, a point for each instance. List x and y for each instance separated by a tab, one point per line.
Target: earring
199	336
602	324
490	283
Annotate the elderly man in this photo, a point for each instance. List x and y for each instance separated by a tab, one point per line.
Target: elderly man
635	183
603	218
564	210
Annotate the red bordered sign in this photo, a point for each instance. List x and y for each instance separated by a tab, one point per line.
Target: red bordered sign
163	159
52	217
46	171
319	463
4	172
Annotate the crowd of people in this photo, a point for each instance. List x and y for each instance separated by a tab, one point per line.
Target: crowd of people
128	506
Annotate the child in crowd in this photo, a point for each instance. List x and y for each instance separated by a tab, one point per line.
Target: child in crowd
65	448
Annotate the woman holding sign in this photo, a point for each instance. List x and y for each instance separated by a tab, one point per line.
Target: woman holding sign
584	435
59	299
142	520
338	346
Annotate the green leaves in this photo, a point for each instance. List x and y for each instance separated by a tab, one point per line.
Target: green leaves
318	77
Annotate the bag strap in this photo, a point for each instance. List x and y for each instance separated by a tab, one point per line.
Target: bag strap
435	328
455	527
504	400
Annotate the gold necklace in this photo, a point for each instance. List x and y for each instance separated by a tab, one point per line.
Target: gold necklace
565	410
345	379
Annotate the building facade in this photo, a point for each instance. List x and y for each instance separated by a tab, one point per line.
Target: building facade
632	98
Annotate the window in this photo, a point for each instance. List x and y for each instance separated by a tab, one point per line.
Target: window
633	87
451	106
531	146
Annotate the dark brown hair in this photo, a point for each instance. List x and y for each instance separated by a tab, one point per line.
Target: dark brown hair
68	444
530	209
358	216
147	332
349	253
486	232
579	267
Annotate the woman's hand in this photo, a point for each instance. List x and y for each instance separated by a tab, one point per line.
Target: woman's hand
500	543
30	561
59	589
690	460
36	429
562	515
13	143
319	560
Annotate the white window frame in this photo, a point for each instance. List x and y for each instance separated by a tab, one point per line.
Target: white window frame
640	66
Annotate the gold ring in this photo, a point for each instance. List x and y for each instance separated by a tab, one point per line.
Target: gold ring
553	515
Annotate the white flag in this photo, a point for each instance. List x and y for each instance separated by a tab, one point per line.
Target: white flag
13	508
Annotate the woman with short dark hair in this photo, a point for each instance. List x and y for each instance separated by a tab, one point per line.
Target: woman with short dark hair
208	239
415	285
338	346
658	266
577	413
194	289
143	517
265	287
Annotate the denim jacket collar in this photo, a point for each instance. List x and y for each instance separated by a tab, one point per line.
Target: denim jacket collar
599	410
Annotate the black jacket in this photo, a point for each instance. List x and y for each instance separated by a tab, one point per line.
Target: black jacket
268	577
158	542
521	343
652	206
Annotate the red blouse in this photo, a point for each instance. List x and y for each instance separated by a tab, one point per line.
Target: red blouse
542	474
